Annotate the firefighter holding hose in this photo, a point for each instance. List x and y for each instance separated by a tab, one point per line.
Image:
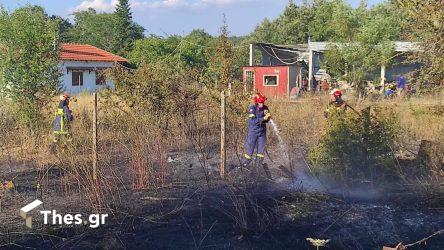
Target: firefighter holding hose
336	102
258	117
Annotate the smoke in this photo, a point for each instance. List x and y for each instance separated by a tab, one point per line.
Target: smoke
306	182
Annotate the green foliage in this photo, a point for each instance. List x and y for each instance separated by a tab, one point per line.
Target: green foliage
356	148
222	60
159	89
97	29
29	73
425	23
153	49
64	28
193	51
127	30
355	61
289	28
108	31
365	34
367	44
320	20
190	49
322	13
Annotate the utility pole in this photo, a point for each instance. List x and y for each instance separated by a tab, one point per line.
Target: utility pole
251	55
383	69
222	134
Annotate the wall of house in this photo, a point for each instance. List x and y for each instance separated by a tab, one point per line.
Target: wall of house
89	77
281	90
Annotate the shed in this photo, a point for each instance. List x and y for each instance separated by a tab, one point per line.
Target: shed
274	81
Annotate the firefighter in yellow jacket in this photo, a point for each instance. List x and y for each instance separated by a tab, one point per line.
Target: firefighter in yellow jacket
63	118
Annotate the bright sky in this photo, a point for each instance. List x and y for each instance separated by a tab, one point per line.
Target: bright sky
167	17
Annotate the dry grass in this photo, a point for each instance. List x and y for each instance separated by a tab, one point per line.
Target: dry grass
133	148
420	118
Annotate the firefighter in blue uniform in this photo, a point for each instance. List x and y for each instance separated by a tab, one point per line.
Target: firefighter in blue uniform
258	116
63	119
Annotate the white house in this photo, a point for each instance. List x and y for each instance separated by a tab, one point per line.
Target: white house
81	66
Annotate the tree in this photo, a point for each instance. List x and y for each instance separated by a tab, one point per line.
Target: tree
29	73
295	23
193	51
367	48
426	26
289	28
319	28
222	59
127	30
96	29
64	29
153	49
105	30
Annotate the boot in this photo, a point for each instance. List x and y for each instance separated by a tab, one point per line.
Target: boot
260	162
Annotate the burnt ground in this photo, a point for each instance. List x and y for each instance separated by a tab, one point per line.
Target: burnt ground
245	211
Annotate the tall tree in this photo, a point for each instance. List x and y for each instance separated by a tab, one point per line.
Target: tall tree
64	28
29	72
222	59
97	29
127	30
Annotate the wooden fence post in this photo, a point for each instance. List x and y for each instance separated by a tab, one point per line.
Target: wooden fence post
94	174
222	134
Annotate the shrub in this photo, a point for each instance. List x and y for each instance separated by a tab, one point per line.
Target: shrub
356	147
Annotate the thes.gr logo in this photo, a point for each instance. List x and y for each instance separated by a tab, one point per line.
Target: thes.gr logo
28	208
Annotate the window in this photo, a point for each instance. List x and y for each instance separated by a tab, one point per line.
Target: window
271	80
100	78
77	78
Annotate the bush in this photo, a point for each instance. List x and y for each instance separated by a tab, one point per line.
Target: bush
356	148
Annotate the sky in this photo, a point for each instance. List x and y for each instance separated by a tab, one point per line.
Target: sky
178	17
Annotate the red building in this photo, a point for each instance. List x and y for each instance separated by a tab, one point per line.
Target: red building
274	81
281	73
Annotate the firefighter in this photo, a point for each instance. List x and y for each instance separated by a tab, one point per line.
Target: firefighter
258	116
336	102
390	90
63	118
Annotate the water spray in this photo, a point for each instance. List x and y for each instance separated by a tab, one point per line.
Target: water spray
282	145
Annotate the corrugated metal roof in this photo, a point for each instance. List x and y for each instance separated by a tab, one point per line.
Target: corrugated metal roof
400	46
85	52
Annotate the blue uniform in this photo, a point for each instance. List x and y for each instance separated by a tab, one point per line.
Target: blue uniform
257	132
400	82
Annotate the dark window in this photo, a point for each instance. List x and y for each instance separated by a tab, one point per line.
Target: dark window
77	78
100	78
271	80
